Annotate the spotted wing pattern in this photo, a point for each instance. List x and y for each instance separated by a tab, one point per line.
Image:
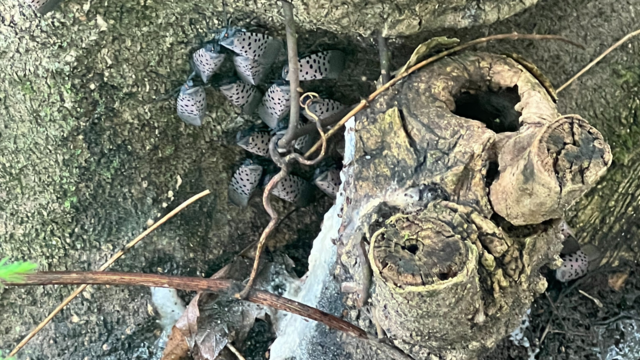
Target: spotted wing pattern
322	65
275	105
192	104
244	182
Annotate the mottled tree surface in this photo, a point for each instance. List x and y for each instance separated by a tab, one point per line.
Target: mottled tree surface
457	214
394	18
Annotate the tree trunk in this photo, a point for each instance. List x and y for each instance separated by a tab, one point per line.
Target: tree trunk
460	177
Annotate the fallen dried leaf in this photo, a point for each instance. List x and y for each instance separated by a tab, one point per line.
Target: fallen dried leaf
177	347
211	321
617	280
185	334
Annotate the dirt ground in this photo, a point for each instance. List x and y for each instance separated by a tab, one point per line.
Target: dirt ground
116	323
570	325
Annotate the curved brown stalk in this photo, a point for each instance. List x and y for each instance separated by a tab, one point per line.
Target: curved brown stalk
323	138
284	171
285	142
294	74
328	121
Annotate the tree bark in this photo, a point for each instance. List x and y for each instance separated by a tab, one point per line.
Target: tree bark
546	168
440	192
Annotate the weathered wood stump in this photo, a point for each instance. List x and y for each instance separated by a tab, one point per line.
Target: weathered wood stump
460	176
545	168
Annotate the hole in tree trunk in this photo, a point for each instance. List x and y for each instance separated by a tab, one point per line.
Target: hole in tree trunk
446	275
492	173
413	248
496	109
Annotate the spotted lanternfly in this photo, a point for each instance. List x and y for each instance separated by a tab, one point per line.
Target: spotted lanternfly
293	189
328	181
323	108
275	104
207	60
305	142
250	70
302	144
243	95
244	182
322	65
252	45
573	266
42	6
192	104
256	142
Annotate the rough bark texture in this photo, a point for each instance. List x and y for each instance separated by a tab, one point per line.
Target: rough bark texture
546	168
450	276
425	258
397	18
607	96
87	157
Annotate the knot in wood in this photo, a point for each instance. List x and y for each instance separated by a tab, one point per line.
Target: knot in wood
578	151
545	169
423	248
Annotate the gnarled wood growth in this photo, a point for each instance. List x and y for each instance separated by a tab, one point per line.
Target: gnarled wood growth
546	168
460	176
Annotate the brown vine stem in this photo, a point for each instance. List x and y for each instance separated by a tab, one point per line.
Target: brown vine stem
294	74
284	171
328	121
189	284
305	101
105	266
267	231
365	103
597	60
285	142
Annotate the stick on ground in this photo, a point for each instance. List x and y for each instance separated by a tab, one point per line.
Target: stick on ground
235	351
189	284
106	265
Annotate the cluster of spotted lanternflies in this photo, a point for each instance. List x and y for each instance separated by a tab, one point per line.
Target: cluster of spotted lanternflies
253	55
